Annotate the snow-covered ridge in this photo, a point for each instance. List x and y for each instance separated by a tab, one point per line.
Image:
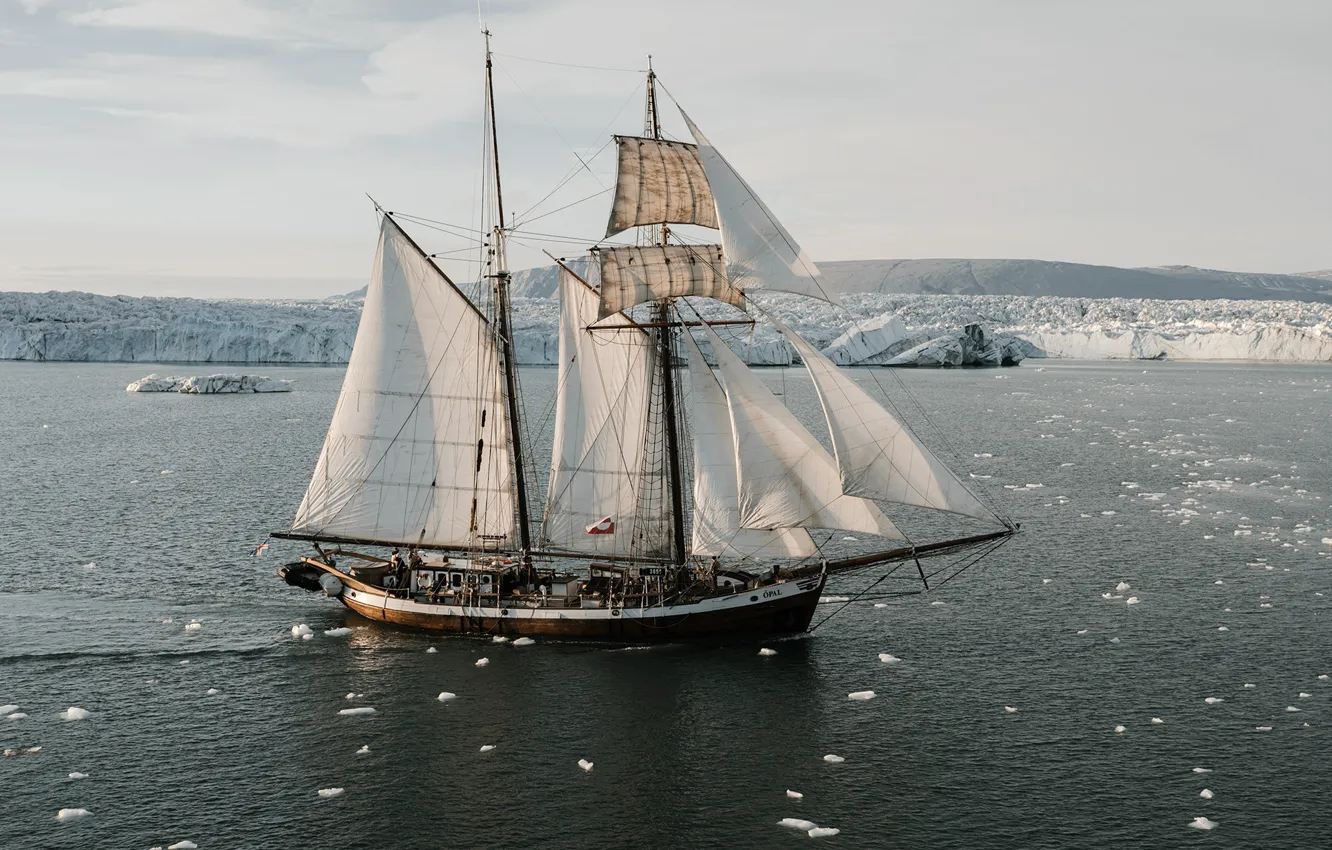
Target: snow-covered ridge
83	327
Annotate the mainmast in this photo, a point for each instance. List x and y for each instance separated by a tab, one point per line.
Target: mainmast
500	276
666	339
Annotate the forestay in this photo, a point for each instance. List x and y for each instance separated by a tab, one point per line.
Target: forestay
876	455
418	450
717	528
760	253
634	275
659	182
598	468
786	478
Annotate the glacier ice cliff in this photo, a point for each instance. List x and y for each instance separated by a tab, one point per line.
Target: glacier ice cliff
875	328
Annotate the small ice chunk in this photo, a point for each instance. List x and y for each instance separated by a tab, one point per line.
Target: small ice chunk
91	565
1248	686
1114	640
75	713
765	651
364	709
1008	709
861	695
1223	628
485	748
880	604
1109	513
77	775
1304	695
1120	730
1081	632
339	632
212	692
6	709
524	641
585	764
936	603
188	845
1202	770
797	823
1132	600
1323	677
445	696
431	649
1292	708
364	750
482	662
1213	700
499	639
308	636
194	626
794	795
1203	823
1123	586
301	630
1206	794
1046	580
832	759
330	792
1218	581
17	715
888	658
822	831
850	539
66	815
1262	728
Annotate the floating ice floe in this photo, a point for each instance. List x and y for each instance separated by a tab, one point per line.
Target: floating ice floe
888	658
1203	823
342	631
91	565
1046	580
1248	686
76	775
524	641
351	695
187	844
482	662
301	630
1323	677
193	626
880	604
1202	770
75	713
1156	721
1304	695
1008	709
445	696
861	695
1262	728
350	712
794	795
850	539
936	603
1123	586
17	715
765	651
1109	513
364	750
1120	730
330	792
1206	794
1223	628
1292	708
797	823
499	639
430	650
211	692
1114	640
1132	600
824	599
65	815
824	831
585	764
832	759
1218	581
485	748
1081	632
6	709
1213	700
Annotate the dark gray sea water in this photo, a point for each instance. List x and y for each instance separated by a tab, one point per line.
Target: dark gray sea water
1171	477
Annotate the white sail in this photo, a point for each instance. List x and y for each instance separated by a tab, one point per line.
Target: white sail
877	456
717	529
418	450
659	182
598	468
787	479
760	253
632	276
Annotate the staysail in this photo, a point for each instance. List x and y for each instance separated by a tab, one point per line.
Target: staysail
418	450
717	529
787	479
760	253
634	275
598	465
877	456
659	182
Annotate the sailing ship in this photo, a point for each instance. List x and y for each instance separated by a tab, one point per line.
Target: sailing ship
427	449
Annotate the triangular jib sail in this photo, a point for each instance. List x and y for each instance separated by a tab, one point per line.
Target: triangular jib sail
418	450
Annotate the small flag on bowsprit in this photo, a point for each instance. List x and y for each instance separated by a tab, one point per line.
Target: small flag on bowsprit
259	550
606	526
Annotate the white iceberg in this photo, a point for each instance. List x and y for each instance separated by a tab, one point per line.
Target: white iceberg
342	631
330	792
1203	823
75	713
65	815
585	764
365	709
766	651
797	823
861	695
524	641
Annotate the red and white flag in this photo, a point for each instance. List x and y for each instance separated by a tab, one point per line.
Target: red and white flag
606	526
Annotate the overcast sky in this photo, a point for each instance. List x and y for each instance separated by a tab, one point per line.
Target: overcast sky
225	147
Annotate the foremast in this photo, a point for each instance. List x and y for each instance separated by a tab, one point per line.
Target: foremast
497	262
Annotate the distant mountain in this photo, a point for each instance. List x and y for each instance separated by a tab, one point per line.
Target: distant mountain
1023	277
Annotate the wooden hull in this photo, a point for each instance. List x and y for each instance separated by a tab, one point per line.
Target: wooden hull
781	608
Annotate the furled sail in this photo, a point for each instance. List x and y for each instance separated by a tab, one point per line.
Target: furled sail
787	479
760	253
717	529
659	182
418	450
632	276
877	456
598	465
